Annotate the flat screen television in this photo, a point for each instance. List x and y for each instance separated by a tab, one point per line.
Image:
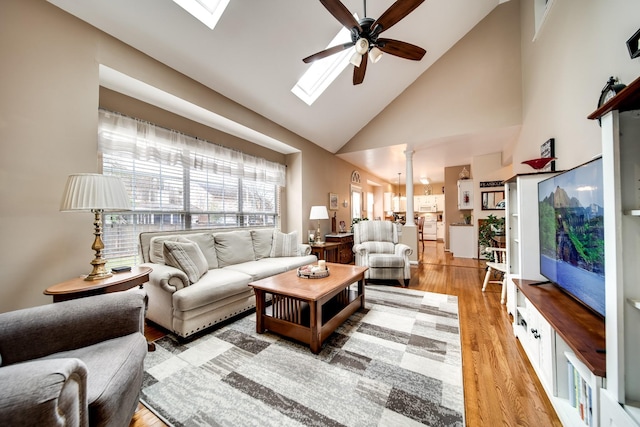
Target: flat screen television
571	225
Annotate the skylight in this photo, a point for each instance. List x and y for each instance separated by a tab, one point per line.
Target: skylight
206	11
324	71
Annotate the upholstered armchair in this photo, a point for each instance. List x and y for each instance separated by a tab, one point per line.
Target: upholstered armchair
376	246
73	363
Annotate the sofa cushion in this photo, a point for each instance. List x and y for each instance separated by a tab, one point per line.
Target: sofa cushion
285	244
186	256
262	242
257	269
207	245
221	283
287	263
386	261
234	247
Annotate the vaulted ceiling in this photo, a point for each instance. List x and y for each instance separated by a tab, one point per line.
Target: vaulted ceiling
254	57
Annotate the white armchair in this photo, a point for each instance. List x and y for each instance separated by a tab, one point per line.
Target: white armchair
376	246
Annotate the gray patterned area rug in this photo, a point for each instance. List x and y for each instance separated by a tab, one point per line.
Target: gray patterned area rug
395	363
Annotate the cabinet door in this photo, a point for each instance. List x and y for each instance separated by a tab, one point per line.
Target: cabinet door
465	194
540	347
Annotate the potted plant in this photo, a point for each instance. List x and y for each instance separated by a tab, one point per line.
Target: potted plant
489	227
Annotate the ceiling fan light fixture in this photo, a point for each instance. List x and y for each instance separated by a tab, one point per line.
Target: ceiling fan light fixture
375	54
362	46
356	59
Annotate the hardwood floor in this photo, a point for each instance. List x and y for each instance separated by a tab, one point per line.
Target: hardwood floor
500	386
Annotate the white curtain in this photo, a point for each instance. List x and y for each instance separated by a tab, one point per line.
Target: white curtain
148	142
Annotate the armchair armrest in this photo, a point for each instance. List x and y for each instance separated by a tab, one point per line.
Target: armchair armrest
359	249
403	250
49	392
305	249
167	278
70	325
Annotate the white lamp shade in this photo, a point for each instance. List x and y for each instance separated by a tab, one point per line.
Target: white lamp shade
356	59
375	54
87	191
319	212
362	46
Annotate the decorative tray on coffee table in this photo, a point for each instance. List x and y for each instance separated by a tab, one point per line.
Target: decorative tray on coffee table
312	272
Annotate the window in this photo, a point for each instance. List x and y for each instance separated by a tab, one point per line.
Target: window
356	202
178	182
323	72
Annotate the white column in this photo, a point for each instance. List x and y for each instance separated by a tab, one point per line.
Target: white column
409	189
409	230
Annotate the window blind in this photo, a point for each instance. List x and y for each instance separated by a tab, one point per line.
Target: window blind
179	182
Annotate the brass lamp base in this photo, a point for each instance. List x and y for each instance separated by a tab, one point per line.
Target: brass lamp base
99	270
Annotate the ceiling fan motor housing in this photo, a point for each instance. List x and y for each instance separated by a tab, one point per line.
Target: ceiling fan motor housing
366	33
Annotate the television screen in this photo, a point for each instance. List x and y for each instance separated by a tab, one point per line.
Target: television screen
571	224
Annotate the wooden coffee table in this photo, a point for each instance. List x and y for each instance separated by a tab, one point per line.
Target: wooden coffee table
308	310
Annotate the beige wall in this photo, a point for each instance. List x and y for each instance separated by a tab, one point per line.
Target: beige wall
451	212
48	130
473	88
50	94
487	168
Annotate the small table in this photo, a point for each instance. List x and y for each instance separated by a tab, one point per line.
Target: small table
327	251
308	310
79	288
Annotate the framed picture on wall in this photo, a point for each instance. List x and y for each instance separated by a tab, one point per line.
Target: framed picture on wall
333	201
548	149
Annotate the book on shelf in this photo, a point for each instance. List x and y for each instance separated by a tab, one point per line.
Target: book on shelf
579	394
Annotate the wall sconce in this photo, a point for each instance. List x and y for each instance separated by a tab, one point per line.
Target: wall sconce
345	203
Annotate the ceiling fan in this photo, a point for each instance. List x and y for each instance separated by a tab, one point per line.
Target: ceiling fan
365	36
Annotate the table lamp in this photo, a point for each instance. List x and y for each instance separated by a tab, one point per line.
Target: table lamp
91	192
318	213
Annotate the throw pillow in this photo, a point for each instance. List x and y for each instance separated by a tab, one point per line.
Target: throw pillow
186	256
156	248
285	244
207	246
234	247
262	242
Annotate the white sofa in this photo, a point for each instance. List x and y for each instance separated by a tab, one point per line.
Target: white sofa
201	277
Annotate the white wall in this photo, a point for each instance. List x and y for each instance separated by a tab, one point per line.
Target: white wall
581	44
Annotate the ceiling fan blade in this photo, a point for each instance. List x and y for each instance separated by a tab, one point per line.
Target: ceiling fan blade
395	13
341	13
358	72
327	52
401	49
